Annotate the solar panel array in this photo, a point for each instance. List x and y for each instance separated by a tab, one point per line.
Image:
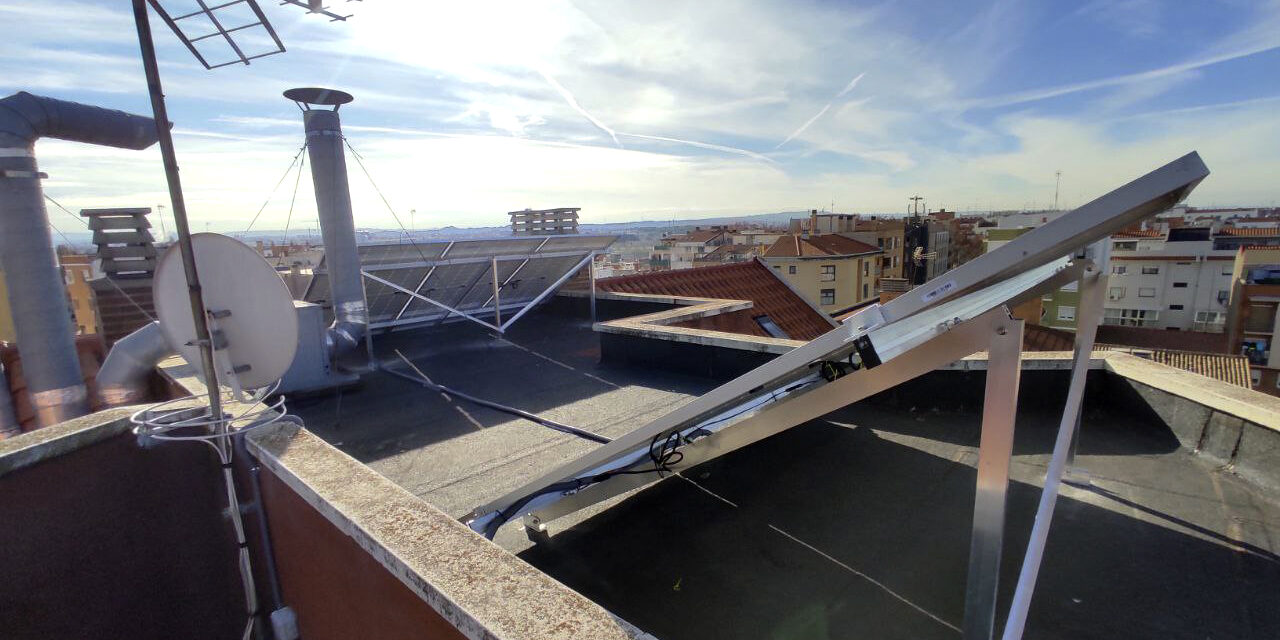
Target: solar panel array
460	275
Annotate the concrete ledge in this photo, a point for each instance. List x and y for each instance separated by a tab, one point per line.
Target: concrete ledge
481	589
36	446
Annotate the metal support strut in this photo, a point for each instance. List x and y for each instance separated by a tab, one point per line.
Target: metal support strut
995	449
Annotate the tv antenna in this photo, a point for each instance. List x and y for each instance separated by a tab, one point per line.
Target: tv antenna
1057	182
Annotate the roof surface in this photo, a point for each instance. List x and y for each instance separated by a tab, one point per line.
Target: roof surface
830	244
749	280
698	235
1249	231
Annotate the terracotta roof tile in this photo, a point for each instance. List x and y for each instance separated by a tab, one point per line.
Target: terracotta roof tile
831	244
1138	233
748	280
1249	232
1232	369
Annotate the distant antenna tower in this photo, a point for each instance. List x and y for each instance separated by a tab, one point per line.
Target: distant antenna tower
164	235
915	201
1057	182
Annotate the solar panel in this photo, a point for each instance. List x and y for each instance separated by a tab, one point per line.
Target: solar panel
459	276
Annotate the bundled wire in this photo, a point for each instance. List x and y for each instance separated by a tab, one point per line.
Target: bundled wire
664	454
164	422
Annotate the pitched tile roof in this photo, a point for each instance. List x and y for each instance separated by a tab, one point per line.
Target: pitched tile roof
830	244
1138	233
1232	369
698	235
1250	232
748	280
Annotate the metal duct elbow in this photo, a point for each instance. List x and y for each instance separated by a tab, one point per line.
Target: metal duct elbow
37	294
123	376
25	117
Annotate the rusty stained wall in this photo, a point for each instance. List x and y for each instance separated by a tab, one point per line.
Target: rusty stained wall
335	587
115	541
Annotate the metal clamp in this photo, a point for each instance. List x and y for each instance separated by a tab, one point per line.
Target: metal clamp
13	173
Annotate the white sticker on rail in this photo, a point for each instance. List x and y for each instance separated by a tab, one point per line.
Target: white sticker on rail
940	290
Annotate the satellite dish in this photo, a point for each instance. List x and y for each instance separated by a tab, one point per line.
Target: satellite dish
249	308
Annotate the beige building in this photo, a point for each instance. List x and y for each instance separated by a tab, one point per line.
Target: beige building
832	271
77	271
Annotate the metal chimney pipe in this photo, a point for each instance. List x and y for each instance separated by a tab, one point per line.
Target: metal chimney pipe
37	294
337	225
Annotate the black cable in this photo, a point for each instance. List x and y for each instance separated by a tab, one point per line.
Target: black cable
663	458
550	424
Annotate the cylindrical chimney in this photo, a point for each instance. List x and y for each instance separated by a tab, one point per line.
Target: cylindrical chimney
37	295
333	206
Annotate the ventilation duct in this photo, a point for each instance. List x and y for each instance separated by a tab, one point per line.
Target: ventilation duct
37	294
333	206
124	375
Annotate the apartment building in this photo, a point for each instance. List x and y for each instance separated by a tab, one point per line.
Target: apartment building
680	251
77	271
1252	322
832	271
1174	280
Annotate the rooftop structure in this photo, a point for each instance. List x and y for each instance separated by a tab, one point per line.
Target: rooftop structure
544	222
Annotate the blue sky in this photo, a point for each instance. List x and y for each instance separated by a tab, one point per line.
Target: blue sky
655	110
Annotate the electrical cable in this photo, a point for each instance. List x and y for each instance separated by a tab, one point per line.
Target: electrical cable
550	424
663	458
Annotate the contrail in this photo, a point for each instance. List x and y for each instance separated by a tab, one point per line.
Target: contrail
703	145
847	88
573	102
804	126
852	83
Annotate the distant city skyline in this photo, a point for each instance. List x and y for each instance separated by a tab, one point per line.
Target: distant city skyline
653	111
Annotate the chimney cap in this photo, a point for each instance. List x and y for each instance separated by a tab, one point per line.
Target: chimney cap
317	95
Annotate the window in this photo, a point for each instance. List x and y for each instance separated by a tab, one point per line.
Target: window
827	273
1260	318
1175	307
791	269
777	266
1227	272
1179	285
1130	317
1150	271
1118	270
1066	313
1126	246
1223	295
1146	292
1210	321
770	327
866	268
866	292
1255	376
828	296
1115	293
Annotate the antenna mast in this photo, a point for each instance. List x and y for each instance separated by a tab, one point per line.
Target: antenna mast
1057	182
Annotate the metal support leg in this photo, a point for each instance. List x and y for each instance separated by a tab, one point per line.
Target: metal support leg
999	407
1094	283
592	271
497	301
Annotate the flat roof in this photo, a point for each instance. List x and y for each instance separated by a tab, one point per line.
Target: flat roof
854	525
